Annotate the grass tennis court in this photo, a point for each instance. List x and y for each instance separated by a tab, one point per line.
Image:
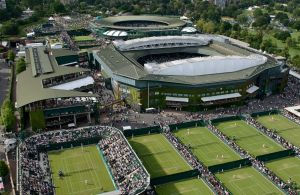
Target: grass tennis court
286	168
158	155
206	146
247	181
285	127
83	38
184	187
84	171
248	137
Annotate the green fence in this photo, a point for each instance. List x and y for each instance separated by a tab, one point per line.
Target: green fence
174	177
229	165
256	114
275	155
229	118
58	146
186	125
142	131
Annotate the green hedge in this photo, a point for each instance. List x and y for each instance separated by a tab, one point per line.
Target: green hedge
174	177
229	118
275	155
187	124
230	165
256	114
142	131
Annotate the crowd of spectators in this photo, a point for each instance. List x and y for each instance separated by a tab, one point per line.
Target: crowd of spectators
127	170
195	163
35	174
67	39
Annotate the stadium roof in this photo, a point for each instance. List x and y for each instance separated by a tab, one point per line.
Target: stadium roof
30	89
160	42
125	63
205	65
166	22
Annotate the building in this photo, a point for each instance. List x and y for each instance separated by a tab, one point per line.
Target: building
130	27
191	72
53	92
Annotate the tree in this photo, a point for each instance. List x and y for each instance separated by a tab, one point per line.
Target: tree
11	55
296	25
282	35
282	18
290	42
20	65
257	13
209	27
268	46
58	7
3	168
242	19
7	114
225	27
262	20
296	61
9	28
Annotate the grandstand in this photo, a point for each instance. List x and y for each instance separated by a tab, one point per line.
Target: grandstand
130	27
189	72
45	157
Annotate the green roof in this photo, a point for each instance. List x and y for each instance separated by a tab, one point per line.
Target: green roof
30	89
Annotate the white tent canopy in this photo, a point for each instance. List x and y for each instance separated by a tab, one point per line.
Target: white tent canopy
205	65
252	89
177	99
115	33
189	30
75	84
221	97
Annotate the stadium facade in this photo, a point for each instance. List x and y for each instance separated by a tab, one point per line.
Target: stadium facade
130	27
195	71
52	92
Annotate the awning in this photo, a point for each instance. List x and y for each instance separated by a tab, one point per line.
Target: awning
221	97
252	89
75	84
177	99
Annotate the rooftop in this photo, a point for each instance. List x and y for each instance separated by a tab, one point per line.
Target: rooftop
30	88
150	22
124	63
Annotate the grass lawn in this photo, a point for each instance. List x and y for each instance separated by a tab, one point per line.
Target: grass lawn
247	181
79	165
83	38
248	137
284	127
286	168
158	155
281	45
184	187
206	146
